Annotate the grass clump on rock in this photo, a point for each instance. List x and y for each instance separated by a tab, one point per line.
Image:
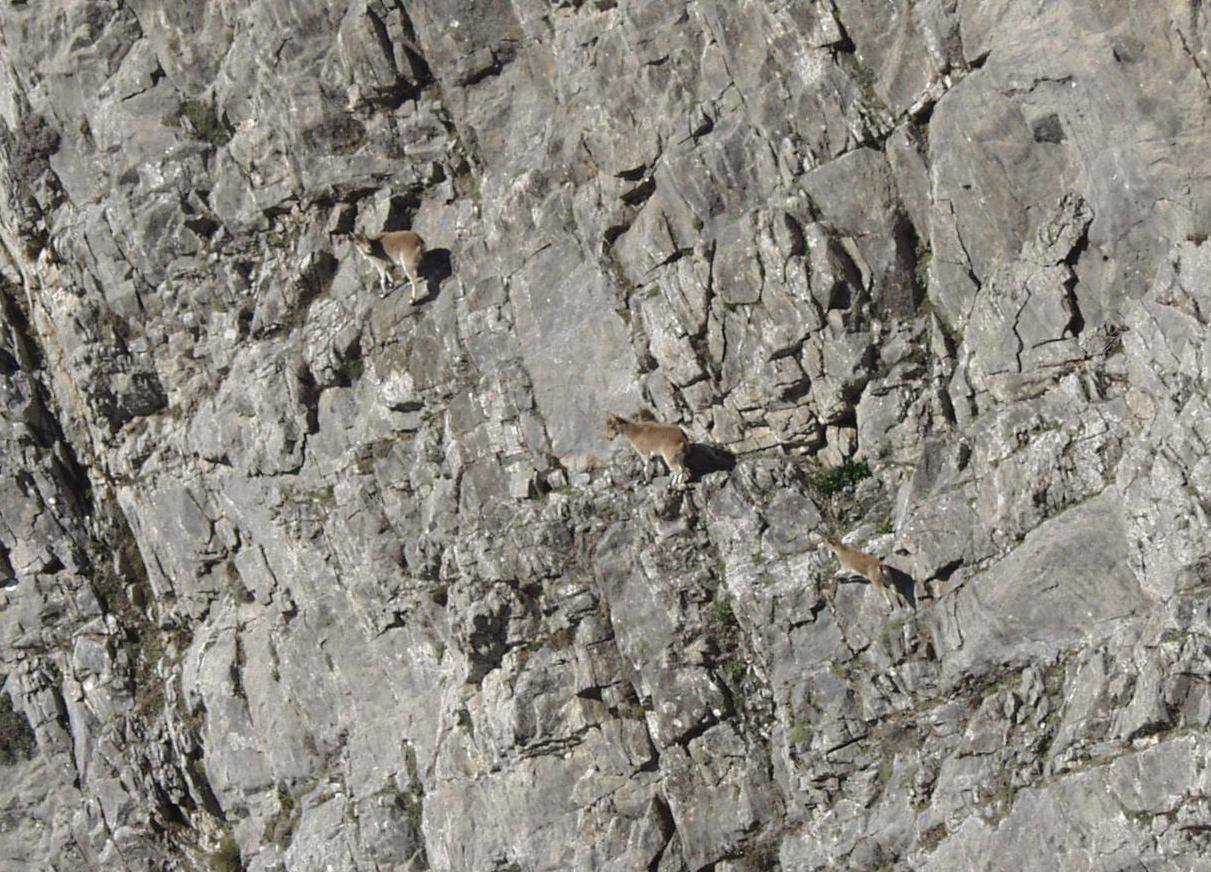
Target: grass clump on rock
835	479
227	857
205	121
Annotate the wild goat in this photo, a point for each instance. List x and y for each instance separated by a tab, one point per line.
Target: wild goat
868	566
649	438
401	248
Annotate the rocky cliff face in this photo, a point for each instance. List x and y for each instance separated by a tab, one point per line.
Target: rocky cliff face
298	577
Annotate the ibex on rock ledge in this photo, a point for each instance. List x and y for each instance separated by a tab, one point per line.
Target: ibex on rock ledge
401	248
866	565
650	438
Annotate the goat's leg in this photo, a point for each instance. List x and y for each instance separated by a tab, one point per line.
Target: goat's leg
413	280
677	473
674	471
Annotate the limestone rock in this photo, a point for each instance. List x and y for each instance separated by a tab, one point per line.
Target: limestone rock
298	575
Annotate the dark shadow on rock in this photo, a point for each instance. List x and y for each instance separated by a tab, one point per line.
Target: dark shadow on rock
704	459
902	582
904	585
435	268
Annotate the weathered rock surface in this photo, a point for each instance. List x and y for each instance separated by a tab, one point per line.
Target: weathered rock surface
294	577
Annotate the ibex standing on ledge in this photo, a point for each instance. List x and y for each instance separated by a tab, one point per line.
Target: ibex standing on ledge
868	566
401	248
649	438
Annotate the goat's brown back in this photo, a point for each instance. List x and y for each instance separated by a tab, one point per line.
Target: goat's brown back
649	436
403	246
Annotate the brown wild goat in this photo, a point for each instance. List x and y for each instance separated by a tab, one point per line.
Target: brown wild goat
868	566
401	248
650	438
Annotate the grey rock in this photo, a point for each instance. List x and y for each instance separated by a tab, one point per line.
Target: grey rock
1068	575
334	580
1166	378
1024	321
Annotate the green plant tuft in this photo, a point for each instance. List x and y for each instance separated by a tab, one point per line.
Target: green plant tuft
837	478
921	272
721	614
801	733
205	121
227	857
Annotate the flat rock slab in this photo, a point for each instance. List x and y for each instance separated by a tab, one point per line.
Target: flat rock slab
1084	822
1063	584
575	348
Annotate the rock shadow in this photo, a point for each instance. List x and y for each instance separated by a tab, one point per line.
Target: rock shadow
703	459
435	267
904	584
901	582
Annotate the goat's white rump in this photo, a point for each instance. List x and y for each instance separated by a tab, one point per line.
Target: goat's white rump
401	248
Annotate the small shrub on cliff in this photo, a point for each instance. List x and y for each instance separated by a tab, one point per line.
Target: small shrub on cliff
16	738
204	120
921	272
837	478
721	616
227	857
